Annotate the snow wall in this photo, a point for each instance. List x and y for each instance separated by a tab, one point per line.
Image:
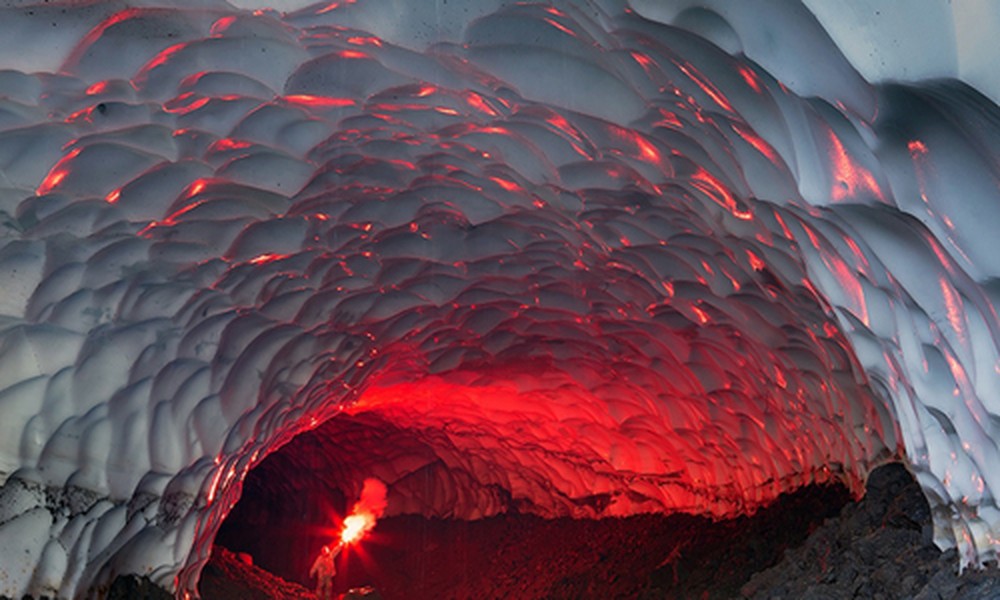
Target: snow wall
595	259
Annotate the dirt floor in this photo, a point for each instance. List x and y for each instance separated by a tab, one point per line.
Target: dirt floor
813	544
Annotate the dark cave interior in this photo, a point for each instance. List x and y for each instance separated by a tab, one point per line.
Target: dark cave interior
294	501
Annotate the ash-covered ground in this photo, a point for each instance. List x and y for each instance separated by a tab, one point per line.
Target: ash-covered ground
812	544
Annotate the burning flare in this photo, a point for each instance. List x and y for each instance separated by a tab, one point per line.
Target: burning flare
356	526
365	512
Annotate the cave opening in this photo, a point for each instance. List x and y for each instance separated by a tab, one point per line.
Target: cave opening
563	457
293	503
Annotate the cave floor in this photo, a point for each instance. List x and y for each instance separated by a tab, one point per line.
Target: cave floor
811	544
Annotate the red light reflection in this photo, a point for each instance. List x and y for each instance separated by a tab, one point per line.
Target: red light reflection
719	193
319	101
98	88
850	178
57	174
706	86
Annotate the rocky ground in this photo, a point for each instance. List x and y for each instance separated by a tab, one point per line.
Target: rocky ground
820	545
879	548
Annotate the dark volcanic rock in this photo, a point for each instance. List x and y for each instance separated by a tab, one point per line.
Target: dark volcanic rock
228	577
130	587
880	547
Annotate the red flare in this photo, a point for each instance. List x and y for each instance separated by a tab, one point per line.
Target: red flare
366	511
355	527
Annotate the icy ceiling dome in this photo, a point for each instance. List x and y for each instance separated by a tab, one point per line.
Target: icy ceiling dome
568	260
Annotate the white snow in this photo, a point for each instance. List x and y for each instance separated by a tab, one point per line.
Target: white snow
216	239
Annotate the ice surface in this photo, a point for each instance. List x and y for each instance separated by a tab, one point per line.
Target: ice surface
595	264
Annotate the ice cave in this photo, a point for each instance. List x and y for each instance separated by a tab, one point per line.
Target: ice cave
583	260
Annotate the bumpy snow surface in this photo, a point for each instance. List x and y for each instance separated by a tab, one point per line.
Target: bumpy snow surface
593	264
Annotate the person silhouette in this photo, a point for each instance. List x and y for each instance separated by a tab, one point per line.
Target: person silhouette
324	569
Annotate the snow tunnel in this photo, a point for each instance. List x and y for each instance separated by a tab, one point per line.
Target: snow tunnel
568	260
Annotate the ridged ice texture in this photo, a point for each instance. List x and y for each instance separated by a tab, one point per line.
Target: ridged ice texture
600	265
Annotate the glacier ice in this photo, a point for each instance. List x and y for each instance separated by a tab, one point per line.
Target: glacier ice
597	258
